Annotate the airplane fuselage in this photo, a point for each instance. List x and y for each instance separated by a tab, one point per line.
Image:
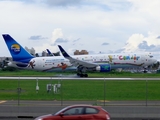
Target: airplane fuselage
60	63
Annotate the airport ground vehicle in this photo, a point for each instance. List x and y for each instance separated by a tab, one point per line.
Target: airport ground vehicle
78	112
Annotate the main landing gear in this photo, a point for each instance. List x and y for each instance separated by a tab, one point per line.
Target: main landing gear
82	75
81	71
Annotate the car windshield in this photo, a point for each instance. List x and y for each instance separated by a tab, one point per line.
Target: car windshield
61	111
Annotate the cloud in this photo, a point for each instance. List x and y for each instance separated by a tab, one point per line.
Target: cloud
119	50
154	49
145	46
57	33
57	37
93	22
62	2
141	43
133	42
76	40
61	40
105	43
158	37
37	37
91	52
22	1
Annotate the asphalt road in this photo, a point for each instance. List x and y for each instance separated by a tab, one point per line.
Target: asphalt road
119	110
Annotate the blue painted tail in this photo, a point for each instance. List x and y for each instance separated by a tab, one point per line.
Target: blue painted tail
49	52
17	52
64	53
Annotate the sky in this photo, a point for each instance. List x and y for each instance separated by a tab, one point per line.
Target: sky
98	26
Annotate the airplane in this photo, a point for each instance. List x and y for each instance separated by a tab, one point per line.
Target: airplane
82	63
103	64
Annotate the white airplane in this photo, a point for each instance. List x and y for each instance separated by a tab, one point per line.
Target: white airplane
82	63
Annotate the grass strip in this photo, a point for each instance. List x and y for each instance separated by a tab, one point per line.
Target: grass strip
81	90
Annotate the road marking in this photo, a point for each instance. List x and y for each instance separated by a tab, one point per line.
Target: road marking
2	102
103	101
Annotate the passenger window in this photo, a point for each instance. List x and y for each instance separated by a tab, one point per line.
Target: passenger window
91	111
74	111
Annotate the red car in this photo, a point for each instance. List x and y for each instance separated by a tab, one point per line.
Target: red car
78	112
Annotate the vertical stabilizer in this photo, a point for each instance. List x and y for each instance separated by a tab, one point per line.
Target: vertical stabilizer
49	52
17	52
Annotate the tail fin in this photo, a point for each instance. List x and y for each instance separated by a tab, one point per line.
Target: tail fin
17	52
64	53
49	52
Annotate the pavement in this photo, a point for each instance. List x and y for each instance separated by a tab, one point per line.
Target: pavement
72	78
119	110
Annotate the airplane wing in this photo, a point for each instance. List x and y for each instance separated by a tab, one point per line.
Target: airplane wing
76	62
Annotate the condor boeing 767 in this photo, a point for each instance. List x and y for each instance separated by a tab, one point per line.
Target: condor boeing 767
82	63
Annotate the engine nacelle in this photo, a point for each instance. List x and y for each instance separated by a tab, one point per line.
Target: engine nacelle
104	68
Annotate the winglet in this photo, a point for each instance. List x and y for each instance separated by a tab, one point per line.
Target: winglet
64	53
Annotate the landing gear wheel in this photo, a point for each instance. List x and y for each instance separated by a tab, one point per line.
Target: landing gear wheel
81	75
81	70
85	75
78	74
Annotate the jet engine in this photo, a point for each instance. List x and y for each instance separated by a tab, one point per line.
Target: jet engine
104	68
